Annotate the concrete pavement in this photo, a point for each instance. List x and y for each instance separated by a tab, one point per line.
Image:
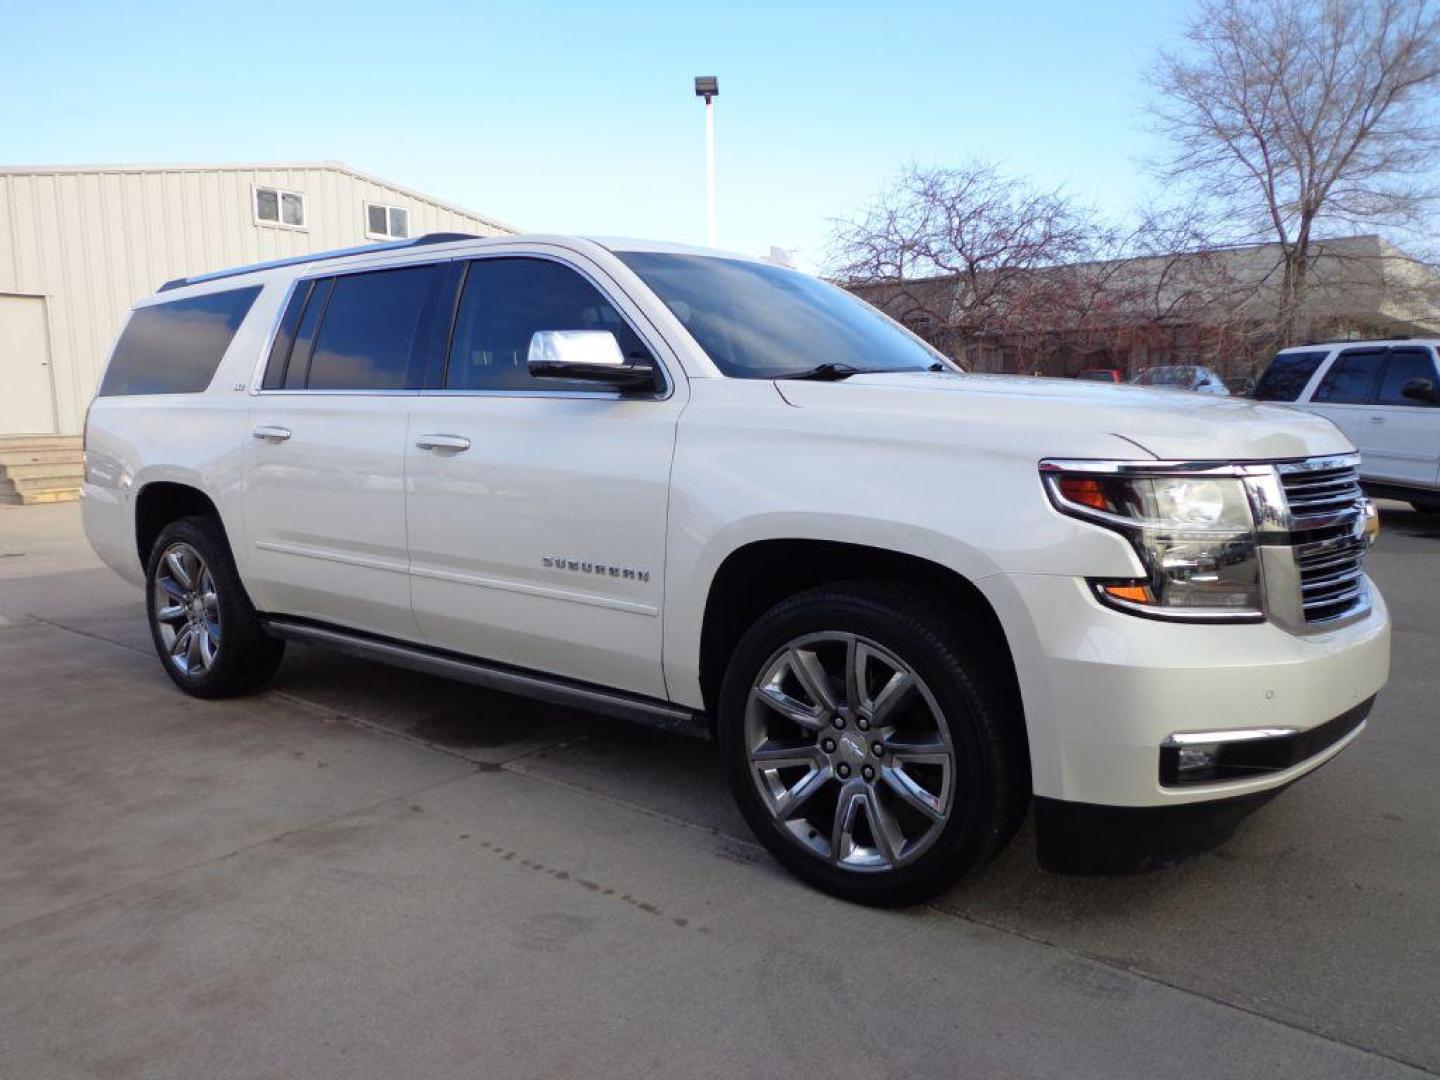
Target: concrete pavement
366	872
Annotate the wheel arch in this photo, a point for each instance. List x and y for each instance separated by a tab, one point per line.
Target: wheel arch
755	576
159	502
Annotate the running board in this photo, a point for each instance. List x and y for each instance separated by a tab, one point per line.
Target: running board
493	676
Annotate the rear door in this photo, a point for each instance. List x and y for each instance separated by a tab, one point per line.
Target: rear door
324	469
1402	434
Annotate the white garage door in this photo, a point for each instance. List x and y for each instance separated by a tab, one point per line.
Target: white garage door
27	403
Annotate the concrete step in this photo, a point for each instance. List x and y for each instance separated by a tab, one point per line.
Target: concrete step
40	442
40	469
54	495
61	471
53	456
33	484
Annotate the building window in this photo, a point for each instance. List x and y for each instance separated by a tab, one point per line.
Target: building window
386	222
276	207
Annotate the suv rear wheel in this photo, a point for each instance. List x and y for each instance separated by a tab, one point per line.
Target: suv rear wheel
201	621
869	744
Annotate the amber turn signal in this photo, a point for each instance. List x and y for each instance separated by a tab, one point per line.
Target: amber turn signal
1135	594
1086	491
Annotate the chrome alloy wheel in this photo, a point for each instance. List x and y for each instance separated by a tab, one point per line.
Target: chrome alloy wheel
187	610
849	751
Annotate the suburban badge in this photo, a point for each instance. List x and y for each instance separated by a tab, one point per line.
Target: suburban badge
580	566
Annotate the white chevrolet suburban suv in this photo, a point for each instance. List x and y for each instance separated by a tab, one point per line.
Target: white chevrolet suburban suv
711	493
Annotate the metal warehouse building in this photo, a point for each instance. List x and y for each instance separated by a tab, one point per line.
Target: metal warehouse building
78	245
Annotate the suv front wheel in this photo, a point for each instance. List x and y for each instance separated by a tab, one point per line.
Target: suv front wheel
201	621
869	742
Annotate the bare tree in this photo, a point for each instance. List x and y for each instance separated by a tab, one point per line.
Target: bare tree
953	251
1297	115
987	267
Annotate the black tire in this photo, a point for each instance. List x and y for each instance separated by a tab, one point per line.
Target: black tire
1426	506
245	656
967	678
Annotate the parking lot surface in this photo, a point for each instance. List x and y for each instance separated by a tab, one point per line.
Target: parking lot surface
371	873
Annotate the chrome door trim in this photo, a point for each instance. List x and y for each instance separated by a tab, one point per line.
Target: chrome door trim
301	551
455	444
547	592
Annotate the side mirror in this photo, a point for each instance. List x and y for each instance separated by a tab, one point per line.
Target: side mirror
587	355
1420	390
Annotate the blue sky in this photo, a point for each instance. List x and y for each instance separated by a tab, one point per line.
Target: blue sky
581	117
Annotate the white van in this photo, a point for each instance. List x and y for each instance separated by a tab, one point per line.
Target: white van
1384	395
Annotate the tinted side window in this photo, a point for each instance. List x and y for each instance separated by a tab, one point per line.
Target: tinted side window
1402	366
370	336
504	302
1351	378
1287	375
175	347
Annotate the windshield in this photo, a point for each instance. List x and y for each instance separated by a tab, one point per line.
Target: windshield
758	321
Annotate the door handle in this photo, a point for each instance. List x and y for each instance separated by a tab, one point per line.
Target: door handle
1377	419
272	432
453	443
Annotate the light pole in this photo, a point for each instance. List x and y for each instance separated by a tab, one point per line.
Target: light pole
708	87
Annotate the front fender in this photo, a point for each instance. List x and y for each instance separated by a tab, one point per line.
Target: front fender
689	576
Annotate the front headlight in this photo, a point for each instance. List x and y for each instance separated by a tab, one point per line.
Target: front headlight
1193	532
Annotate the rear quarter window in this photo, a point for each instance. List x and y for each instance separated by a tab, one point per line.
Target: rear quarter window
1287	376
175	347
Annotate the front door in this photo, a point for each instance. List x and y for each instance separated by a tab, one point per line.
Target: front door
537	508
324	466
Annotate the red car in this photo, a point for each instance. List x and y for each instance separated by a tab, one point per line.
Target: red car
1102	374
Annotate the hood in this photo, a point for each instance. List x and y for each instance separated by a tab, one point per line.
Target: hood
1067	414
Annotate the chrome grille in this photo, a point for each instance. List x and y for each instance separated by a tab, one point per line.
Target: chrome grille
1316	491
1327	536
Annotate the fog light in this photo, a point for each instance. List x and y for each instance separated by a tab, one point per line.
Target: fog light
1193	759
1206	757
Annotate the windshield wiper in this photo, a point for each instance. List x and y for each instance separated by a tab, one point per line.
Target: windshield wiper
829	372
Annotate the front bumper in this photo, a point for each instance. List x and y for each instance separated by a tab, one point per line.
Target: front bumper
1083	838
1103	690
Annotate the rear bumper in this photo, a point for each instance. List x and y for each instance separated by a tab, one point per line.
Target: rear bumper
1087	838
